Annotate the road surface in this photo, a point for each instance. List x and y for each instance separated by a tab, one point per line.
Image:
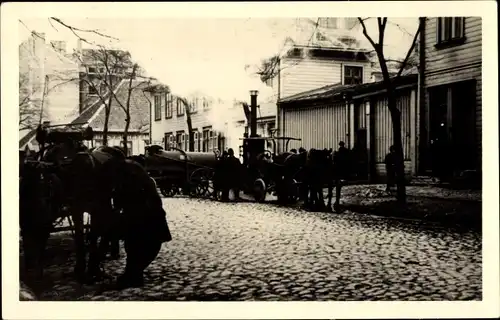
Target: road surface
248	251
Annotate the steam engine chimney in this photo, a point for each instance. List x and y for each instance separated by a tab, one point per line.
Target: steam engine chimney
253	113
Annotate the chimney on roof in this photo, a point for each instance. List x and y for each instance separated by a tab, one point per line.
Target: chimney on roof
79	46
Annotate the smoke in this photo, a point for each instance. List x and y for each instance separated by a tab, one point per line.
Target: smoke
224	117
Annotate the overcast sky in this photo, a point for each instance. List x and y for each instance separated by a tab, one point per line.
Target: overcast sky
202	54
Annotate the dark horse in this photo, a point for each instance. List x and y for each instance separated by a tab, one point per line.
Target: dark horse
314	170
67	180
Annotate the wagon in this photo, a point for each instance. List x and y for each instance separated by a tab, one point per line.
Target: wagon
268	177
176	171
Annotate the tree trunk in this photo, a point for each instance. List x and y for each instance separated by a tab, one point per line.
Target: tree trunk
398	146
107	112
125	135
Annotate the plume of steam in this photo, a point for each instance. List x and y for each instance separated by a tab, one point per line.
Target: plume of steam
224	116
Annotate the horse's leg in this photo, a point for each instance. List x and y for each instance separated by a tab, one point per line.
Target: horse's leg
338	189
330	195
81	259
321	198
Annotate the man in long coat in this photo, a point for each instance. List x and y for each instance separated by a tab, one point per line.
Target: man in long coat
143	225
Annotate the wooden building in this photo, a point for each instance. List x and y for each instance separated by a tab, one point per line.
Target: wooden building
451	95
357	115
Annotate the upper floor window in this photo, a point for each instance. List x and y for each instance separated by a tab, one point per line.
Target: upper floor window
320	36
180	107
194	105
295	53
332	23
206	104
450	29
157	107
168	105
353	75
92	70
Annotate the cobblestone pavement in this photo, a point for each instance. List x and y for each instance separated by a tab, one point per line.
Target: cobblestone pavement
248	251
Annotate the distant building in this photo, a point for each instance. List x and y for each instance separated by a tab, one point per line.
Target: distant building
80	102
169	121
48	86
320	54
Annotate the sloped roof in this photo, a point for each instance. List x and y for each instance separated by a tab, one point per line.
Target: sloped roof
94	107
139	110
336	91
27	138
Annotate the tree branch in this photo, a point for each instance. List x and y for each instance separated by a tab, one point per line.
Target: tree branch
408	54
365	33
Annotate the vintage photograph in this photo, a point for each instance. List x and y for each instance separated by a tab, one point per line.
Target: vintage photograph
250	159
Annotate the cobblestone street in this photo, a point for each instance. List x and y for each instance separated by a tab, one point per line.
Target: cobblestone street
248	251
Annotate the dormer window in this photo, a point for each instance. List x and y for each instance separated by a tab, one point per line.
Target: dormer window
320	36
295	53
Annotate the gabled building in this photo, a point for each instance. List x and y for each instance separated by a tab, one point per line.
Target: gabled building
451	95
48	90
322	51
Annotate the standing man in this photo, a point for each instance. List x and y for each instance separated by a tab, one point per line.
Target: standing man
390	168
143	224
234	170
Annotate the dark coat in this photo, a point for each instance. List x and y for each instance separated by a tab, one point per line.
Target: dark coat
142	209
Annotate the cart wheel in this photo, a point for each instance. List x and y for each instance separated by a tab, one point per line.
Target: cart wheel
259	190
168	190
201	182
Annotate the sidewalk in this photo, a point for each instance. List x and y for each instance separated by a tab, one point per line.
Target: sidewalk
457	208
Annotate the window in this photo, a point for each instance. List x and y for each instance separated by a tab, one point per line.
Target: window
92	70
295	53
194	105
205	104
168	105
320	36
353	75
186	142
168	140
179	139
180	108
206	139
328	23
93	90
157	107
196	141
450	29
129	147
101	70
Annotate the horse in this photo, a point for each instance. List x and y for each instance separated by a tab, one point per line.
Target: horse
68	180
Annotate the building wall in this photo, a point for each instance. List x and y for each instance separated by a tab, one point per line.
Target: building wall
462	62
45	70
135	140
201	119
308	73
325	125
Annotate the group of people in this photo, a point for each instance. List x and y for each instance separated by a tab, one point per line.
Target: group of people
228	176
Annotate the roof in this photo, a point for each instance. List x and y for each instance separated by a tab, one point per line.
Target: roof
94	116
27	138
336	91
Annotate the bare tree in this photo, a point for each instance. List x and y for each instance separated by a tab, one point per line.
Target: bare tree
389	84
188	107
